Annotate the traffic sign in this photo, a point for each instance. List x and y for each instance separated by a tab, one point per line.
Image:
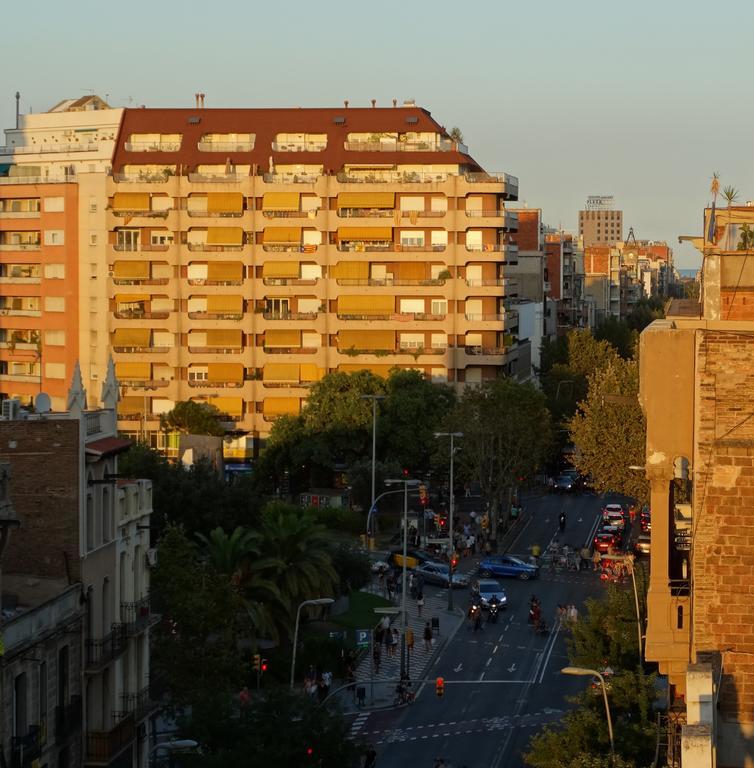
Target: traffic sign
362	638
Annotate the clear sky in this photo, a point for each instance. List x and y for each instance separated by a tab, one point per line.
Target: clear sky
642	100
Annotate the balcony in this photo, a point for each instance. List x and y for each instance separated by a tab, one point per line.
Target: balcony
125	212
26	749
291	178
140	281
43	149
139	705
205	214
290	315
208	247
291	214
204	281
19	214
440	145
142	350
151	146
225	146
485	350
137	616
288	281
494	214
215	315
291	350
140	314
99	653
196	383
144	383
214	178
393	177
215	350
67	721
20	246
478	317
299	146
103	746
156	177
429	282
289	248
93	423
384	246
121	248
488	282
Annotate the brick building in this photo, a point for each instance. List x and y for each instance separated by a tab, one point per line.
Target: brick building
697	383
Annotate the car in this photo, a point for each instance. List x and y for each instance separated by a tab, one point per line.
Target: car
438	573
414	558
643	544
380	566
645	521
487	590
564	484
613	514
604	542
507	565
616	532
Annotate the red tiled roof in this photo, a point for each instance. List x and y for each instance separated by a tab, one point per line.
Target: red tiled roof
106	446
267	123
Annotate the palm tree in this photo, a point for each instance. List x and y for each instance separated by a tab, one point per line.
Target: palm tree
730	193
456	135
301	545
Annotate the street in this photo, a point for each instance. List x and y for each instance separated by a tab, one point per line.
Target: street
486	724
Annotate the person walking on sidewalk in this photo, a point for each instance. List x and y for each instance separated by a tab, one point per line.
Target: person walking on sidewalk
370	758
427	637
409	640
419	603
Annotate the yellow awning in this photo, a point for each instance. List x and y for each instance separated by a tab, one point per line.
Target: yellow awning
136	270
366	340
281	201
225	372
131	201
224	236
281	235
311	372
224	337
282	337
366	200
232	406
366	305
378	370
350	270
278	406
131	337
129	371
131	298
224	270
410	270
289	269
365	233
231	304
130	406
281	372
224	202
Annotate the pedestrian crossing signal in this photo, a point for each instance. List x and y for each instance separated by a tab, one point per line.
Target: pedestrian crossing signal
440	687
256	663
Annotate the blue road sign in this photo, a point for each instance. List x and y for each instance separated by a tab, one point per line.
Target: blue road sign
362	638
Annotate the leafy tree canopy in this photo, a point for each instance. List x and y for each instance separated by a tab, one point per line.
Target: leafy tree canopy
193	418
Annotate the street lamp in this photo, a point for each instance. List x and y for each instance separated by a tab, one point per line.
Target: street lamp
582	671
406	484
628	561
452	436
318	601
374	399
373	510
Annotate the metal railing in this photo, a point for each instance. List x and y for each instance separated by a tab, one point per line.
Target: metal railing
156	177
290	315
385	246
389	281
93	425
485	350
290	350
137	615
102	651
67	720
288	281
205	214
89	146
140	314
204	281
221	384
121	248
299	146
393	177
396	145
136	212
215	178
215	350
20	246
225	146
103	746
215	315
206	247
483	317
291	178
26	749
148	349
140	704
141	281
150	146
69	178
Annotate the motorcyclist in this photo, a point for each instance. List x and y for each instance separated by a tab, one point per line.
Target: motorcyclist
562	521
494	606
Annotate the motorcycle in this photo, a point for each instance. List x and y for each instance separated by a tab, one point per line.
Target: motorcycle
562	522
493	612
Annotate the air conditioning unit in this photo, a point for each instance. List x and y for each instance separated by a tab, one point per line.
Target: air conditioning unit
151	557
11	409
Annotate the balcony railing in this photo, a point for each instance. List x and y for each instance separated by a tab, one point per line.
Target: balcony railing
488	214
141	281
137	616
144	383
204	281
20	246
142	350
393	177
67	720
26	749
156	177
290	315
140	314
290	214
121	248
207	247
103	746
68	178
215	315
19	214
388	281
483	317
221	384
151	146
288	281
483	177
289	248
215	350
140	704
43	149
12	312
484	350
225	146
299	146
99	653
486	282
215	178
440	145
383	246
93	423
291	178
215	214
123	212
290	350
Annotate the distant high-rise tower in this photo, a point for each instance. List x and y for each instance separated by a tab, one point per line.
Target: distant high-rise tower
600	223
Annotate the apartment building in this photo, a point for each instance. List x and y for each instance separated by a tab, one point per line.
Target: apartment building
53	252
600	223
84	532
251	251
696	386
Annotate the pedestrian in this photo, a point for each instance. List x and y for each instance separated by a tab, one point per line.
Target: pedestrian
395	641
472	547
573	614
560	614
389	644
327	681
427	637
596	560
321	690
376	658
370	757
419	603
585	558
390	584
467	490
632	514
474	521
381	580
412	584
466	530
409	640
385	623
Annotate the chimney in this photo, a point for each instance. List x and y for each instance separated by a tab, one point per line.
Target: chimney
196	96
374	103
18	102
395	103
345	103
201	96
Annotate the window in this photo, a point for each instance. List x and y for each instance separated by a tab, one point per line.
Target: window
92	205
107	515
439	306
54	304
93	270
63	673
19	705
90	520
55	370
54	237
92	238
54	204
161	238
55	338
42	697
197	373
54	271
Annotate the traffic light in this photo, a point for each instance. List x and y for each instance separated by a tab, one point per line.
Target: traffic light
454	561
404	472
423	495
256	663
440	687
263	665
310	753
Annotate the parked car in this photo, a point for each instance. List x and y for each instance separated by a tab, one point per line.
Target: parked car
507	565
564	484
604	542
643	544
414	558
487	590
438	573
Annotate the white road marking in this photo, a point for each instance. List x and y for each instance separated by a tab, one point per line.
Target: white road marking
512	667
458	668
481	677
494	650
488	661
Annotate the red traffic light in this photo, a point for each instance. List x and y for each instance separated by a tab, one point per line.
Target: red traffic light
309	751
263	666
440	687
405	472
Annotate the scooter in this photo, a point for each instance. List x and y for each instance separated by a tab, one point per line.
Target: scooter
541	628
493	613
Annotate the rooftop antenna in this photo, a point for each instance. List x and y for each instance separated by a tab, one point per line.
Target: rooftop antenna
18	103
631	236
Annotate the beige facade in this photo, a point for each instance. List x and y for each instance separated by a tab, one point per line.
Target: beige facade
599	223
696	381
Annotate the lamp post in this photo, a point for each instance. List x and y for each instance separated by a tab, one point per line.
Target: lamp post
374	509
318	601
406	484
452	436
582	671
374	399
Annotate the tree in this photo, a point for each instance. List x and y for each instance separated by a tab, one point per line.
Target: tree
619	334
730	193
609	431
335	402
507	434
456	135
193	418
645	311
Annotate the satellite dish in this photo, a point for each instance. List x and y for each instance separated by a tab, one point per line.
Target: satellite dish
42	403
